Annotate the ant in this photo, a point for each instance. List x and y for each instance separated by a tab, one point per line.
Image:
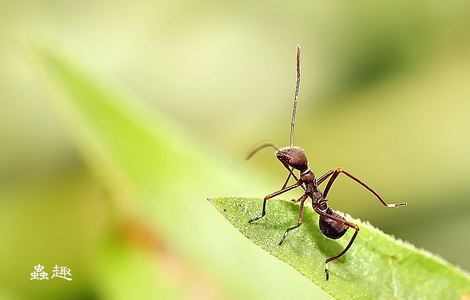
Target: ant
331	224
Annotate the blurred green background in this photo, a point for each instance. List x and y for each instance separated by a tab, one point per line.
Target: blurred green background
385	94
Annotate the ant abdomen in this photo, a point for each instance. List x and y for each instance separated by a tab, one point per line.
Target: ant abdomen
331	228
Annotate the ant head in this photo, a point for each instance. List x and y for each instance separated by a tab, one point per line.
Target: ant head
294	157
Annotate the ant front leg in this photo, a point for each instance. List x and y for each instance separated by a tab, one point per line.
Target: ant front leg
349	224
263	212
291	173
338	171
299	222
287	180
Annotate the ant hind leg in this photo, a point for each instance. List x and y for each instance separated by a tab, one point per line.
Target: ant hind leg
349	224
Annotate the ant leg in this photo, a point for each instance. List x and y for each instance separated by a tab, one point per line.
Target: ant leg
287	180
324	177
338	171
295	177
349	224
291	173
263	212
299	222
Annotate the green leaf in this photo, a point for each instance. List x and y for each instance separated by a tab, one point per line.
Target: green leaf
141	273
160	175
377	266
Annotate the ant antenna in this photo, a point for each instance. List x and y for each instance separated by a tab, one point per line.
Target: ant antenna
264	145
297	87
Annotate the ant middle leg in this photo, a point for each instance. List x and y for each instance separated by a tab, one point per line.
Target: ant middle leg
334	174
349	224
324	177
263	212
299	221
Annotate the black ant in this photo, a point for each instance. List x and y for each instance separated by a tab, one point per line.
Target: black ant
292	157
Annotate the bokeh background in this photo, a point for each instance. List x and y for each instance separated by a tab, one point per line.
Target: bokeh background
385	94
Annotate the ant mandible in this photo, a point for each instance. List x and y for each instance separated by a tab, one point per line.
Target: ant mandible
293	158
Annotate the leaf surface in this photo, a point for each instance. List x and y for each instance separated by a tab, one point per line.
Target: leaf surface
377	266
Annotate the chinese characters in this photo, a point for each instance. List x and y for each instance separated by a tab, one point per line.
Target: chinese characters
57	272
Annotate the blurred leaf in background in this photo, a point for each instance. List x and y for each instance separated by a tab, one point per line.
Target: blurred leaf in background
133	154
